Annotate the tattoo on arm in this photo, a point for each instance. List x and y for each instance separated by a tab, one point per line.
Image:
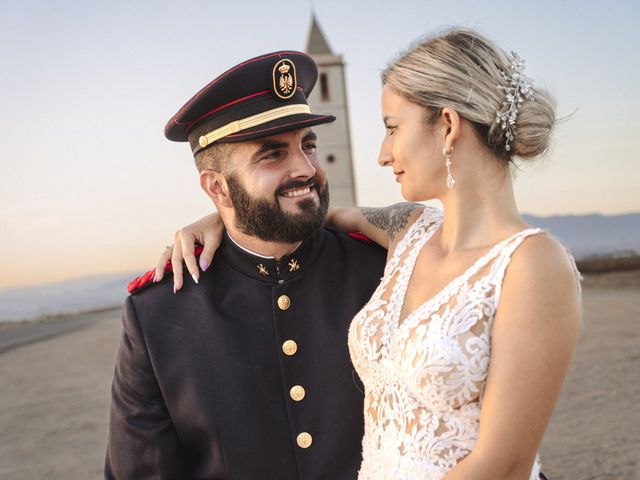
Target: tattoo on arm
399	217
378	217
393	219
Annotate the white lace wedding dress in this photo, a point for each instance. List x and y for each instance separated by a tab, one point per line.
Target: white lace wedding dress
424	375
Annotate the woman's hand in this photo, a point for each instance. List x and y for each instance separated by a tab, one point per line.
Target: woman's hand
208	232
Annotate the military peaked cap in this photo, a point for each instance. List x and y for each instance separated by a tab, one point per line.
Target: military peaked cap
264	96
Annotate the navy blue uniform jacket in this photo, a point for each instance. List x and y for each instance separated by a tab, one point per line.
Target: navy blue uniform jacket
204	380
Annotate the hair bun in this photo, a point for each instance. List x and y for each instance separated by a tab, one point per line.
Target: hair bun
536	119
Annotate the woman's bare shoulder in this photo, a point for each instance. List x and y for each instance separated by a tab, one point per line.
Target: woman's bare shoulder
543	255
542	277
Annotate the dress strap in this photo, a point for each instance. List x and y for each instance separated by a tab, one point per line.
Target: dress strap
427	218
498	251
499	268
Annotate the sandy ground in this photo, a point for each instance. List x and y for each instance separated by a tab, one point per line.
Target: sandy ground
54	396
595	430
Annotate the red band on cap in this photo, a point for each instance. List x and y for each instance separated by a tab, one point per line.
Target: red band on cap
211	112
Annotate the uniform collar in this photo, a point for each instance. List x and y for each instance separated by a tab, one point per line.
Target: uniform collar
251	252
268	268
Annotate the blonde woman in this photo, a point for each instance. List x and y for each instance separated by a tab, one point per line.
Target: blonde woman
465	344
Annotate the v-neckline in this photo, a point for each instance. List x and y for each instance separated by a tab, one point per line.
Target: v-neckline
474	267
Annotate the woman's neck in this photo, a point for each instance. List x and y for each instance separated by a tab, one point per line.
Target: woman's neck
480	211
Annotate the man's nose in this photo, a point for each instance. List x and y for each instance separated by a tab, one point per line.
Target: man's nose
302	165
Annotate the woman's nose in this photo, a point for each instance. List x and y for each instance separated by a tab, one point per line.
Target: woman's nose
384	157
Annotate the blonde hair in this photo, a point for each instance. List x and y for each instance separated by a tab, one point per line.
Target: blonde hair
461	69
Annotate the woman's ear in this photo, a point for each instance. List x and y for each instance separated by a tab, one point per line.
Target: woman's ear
215	185
451	121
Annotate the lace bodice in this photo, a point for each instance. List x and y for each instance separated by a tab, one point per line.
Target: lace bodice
424	375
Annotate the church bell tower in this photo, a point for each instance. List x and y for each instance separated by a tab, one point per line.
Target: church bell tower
329	97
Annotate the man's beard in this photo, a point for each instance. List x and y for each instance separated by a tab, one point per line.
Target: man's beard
265	219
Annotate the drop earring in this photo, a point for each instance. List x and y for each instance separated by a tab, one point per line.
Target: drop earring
451	182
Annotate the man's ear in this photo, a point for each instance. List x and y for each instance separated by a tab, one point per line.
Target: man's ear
215	185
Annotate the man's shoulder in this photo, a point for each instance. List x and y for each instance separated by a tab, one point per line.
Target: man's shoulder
154	305
355	240
147	279
355	245
149	300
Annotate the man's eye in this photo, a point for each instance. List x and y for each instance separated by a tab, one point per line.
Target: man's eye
309	146
390	129
274	155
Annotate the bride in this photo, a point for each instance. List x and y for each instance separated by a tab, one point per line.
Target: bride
465	344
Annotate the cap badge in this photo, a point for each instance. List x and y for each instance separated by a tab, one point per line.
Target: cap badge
284	79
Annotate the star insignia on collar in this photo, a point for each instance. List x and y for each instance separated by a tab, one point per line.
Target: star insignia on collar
293	265
263	270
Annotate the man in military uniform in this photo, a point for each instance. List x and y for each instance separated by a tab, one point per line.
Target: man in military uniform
247	374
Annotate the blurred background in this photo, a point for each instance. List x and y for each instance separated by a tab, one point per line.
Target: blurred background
91	191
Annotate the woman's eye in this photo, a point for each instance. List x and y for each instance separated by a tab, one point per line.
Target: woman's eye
390	129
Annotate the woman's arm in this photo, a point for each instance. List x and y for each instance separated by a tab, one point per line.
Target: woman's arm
534	336
382	225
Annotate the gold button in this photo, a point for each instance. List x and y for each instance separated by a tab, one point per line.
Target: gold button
289	347
297	393
304	440
283	302
203	141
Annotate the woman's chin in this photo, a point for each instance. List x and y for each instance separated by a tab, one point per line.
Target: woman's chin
414	196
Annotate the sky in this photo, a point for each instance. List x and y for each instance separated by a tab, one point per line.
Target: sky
89	185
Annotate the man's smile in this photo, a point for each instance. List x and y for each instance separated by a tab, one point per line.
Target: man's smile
297	192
